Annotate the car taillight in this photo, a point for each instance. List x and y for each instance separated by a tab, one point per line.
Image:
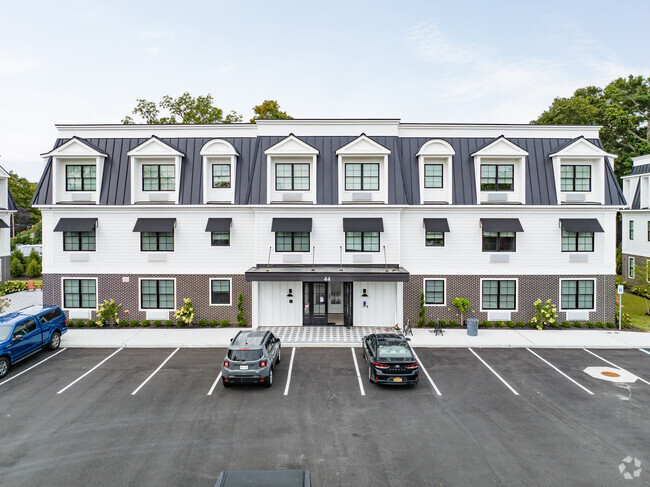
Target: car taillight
65	321
226	363
263	363
412	366
380	366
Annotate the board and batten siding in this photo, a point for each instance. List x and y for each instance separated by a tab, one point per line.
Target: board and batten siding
640	245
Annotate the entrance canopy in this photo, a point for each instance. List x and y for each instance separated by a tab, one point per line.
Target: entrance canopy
307	273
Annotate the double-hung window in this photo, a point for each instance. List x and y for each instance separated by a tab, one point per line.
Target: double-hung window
292	177
577	241
575	178
499	241
434	291
157	241
631	230
434	239
361	176
74	241
292	241
158	177
221	175
157	294
499	294
80	177
630	268
79	293
220	239
362	241
219	291
578	294
433	176
497	177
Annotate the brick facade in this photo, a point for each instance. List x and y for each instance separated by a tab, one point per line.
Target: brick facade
639	261
193	286
529	289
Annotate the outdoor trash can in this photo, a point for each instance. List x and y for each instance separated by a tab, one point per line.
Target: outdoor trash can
472	327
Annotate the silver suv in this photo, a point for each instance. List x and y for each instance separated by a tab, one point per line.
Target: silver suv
250	358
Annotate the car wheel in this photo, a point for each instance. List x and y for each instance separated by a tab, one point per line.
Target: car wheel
226	384
269	380
279	356
370	374
4	366
55	341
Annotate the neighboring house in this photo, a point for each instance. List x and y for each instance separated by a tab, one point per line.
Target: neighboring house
635	245
330	221
7	207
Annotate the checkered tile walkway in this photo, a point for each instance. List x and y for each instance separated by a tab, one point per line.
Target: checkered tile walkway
322	334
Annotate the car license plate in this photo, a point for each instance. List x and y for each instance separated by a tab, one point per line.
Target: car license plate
243	367
397	379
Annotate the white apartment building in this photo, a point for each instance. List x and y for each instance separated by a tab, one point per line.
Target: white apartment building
7	208
635	245
322	222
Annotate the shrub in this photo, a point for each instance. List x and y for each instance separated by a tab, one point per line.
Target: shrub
461	305
186	312
91	323
241	317
225	323
589	324
156	323
641	291
18	255
169	323
431	324
626	320
203	323
453	324
486	324
611	325
421	312
145	323
510	324
17	268
134	323
578	324
620	281
34	256
498	324
531	324
12	287
545	313
520	324
566	324
107	313
600	324
123	324
79	323
213	323
34	268
442	323
555	324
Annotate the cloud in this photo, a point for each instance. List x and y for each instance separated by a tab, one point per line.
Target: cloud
225	69
13	65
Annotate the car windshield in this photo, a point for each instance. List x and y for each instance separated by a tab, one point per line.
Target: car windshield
244	355
5	331
394	350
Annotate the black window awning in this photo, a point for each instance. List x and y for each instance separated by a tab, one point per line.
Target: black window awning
363	225
218	225
75	225
436	225
155	225
3	224
576	225
291	225
501	225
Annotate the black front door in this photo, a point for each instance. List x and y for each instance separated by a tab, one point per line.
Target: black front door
347	304
314	303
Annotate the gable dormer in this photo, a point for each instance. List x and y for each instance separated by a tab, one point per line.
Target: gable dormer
291	171
500	172
219	160
363	171
77	169
579	168
435	168
155	172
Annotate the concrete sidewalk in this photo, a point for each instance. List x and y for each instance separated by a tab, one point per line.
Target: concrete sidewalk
297	336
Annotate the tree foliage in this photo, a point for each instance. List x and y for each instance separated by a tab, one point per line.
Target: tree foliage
622	108
269	110
23	191
184	109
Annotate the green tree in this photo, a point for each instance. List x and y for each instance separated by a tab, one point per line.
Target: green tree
241	317
34	268
269	110
184	109
23	191
622	108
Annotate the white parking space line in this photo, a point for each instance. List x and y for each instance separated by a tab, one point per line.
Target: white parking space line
154	372
644	350
426	373
494	372
356	366
214	384
562	373
286	388
35	365
91	370
614	365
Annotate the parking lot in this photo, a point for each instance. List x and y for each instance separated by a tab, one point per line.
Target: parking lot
478	417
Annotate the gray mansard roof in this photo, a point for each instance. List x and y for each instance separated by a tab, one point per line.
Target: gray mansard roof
403	185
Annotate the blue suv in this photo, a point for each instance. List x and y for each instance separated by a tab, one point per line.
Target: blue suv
27	331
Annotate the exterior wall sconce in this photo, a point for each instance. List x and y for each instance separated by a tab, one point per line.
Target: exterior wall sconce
290	293
364	294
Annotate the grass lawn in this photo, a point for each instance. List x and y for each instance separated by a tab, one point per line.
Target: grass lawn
635	306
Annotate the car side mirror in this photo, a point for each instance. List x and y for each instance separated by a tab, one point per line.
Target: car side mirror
408	339
231	340
17	338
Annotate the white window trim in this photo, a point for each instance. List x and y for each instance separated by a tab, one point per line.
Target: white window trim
291	150
65	252
516	279
502	152
164	154
369	149
631	268
436	151
79	278
571	310
432	247
444	291
210	290
212	153
162	278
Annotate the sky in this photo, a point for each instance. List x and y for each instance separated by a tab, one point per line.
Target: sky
74	61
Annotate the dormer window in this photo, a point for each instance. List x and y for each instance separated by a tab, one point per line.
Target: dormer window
363	171
435	170
221	176
292	177
291	171
155	167
501	171
80	177
158	177
575	178
219	172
